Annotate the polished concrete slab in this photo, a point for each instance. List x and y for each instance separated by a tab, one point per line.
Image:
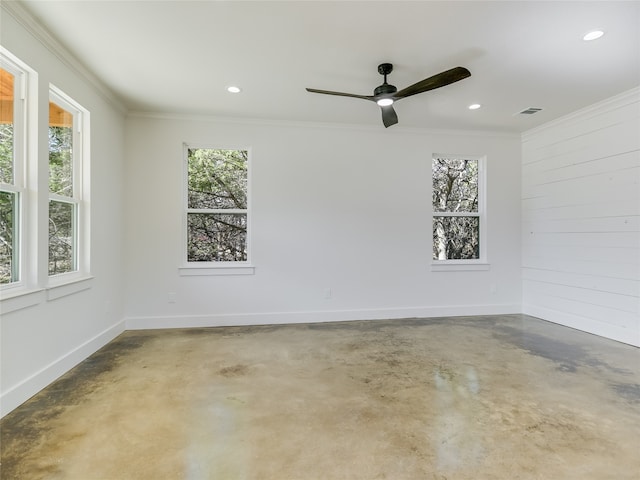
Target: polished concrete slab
496	397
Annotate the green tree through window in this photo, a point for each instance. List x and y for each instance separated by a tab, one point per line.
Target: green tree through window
9	190
217	209
64	187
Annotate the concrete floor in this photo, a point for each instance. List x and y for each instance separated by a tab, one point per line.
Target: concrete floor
500	397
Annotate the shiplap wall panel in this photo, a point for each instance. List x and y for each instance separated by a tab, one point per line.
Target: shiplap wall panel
581	219
600	239
592	210
613	185
583	307
622	271
563	137
612	140
599	327
588	297
623	255
596	283
598	166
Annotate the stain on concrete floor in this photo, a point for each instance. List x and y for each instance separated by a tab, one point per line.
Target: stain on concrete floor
628	391
499	397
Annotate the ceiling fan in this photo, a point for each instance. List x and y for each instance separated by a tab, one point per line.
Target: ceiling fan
385	95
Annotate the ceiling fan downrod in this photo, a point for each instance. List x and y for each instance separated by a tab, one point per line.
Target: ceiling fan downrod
385	89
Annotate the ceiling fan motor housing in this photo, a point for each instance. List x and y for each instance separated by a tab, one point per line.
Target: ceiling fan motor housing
384	90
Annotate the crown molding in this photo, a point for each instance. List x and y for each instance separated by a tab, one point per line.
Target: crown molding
21	15
265	122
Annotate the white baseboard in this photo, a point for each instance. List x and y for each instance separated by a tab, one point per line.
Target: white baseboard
276	318
613	332
24	390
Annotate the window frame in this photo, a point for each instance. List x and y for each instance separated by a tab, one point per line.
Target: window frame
31	168
80	197
187	268
23	122
480	263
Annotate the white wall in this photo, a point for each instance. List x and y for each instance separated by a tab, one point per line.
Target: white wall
339	208
41	342
581	219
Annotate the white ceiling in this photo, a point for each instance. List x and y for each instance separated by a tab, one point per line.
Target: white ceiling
179	56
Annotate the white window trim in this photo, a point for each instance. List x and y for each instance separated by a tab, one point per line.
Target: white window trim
24	181
480	263
80	199
459	266
34	285
186	268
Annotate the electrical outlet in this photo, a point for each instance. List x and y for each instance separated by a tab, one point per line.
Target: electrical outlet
171	297
327	293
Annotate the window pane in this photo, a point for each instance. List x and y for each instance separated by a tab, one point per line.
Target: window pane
8	240
455	185
61	237
456	238
60	151
6	126
216	237
217	178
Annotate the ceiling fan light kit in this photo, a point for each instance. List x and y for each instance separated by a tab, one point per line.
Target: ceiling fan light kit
385	95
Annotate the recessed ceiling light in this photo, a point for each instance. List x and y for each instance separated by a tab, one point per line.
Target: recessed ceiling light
474	106
593	35
233	89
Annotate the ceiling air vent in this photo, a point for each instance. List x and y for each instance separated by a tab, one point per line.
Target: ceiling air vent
529	111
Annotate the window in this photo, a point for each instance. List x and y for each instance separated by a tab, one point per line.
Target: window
67	218
12	169
458	209
217	207
34	191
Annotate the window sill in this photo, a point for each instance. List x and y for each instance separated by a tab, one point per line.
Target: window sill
455	266
13	299
214	270
20	298
62	286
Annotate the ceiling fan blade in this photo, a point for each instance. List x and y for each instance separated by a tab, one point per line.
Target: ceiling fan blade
389	116
437	81
341	94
